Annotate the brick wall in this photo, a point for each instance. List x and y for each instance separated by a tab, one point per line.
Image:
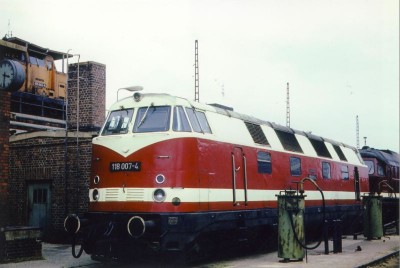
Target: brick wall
40	157
60	161
4	153
91	90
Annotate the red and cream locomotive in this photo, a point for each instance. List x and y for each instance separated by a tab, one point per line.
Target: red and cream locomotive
168	172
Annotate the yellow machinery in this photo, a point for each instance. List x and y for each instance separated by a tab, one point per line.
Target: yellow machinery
29	68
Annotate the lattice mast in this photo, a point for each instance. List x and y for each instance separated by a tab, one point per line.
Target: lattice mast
357	133
196	72
287	106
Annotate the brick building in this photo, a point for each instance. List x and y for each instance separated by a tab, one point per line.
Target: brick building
4	154
49	170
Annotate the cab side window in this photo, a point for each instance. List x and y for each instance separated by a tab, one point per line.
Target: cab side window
326	170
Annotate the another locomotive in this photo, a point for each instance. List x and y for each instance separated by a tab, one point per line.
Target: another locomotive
29	68
172	174
384	177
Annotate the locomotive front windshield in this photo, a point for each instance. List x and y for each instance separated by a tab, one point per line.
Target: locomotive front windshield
118	122
155	119
152	119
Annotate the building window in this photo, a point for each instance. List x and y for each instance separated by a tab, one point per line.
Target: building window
257	133
264	162
345	172
326	170
295	166
289	141
40	196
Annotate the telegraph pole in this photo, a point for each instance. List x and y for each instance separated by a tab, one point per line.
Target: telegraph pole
357	133
287	106
196	72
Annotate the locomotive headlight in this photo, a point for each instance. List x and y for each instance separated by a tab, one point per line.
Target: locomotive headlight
160	178
159	195
176	201
96	179
95	195
137	96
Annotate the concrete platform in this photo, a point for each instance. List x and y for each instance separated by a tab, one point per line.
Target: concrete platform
355	253
351	256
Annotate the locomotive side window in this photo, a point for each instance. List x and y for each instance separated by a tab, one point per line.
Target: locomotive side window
371	166
152	119
118	122
37	61
326	170
193	120
381	171
264	162
198	121
180	122
203	122
289	141
345	172
295	166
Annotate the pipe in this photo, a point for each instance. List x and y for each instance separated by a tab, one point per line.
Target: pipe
41	127
323	212
66	138
77	132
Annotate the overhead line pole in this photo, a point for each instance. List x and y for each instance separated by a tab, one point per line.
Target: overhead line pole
196	72
357	133
287	106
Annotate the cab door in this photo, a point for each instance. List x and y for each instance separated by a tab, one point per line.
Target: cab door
239	177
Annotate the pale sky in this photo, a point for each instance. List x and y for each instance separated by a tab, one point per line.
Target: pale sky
341	58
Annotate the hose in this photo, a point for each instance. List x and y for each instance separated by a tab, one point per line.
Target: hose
76	256
323	215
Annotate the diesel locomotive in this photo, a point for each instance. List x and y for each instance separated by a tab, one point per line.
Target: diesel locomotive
170	174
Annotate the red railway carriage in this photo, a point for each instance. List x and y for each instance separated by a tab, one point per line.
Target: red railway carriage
168	172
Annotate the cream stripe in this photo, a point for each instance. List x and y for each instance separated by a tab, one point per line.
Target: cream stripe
206	195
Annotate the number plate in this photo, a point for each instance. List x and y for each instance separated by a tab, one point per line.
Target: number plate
125	166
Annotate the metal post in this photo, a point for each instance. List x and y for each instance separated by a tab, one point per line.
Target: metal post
337	236
77	135
326	237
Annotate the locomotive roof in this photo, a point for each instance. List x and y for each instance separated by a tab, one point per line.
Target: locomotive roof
173	100
387	156
36	49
